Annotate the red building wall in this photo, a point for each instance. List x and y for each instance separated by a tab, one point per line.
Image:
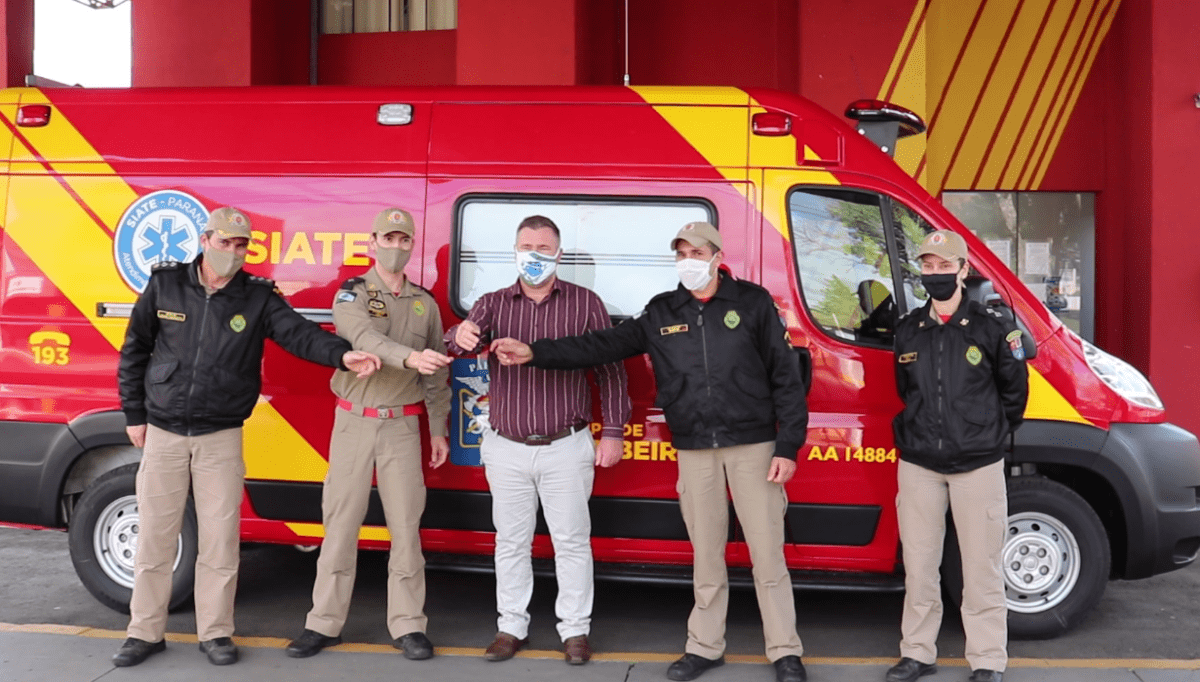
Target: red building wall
183	42
708	42
279	43
400	58
17	50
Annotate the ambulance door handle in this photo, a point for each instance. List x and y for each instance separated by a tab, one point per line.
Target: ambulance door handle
804	357
114	309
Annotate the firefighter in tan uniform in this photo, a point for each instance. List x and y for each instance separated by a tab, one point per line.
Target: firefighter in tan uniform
376	431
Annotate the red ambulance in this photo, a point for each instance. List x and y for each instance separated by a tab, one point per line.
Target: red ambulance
96	186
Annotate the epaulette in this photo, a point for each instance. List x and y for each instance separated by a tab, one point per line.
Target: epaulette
265	281
166	265
351	283
663	296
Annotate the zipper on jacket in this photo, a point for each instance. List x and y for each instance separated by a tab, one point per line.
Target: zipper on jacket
707	373
196	363
940	393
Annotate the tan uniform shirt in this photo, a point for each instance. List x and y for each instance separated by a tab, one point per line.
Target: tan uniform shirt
392	326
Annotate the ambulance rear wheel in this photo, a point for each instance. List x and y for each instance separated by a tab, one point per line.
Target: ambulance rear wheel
103	540
1056	559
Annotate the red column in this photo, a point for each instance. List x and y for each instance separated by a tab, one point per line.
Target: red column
1172	270
189	43
532	42
17	50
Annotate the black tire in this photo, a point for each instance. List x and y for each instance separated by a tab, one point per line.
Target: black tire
1056	554
102	539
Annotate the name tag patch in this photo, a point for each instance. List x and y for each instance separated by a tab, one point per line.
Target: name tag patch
908	357
171	315
673	329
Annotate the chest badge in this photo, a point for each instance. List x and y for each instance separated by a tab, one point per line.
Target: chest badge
237	323
908	357
418	307
171	315
732	319
673	329
974	356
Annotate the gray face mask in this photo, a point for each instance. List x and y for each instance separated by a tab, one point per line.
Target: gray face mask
392	258
224	263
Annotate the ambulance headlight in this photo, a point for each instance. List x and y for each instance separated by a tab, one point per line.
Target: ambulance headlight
1121	377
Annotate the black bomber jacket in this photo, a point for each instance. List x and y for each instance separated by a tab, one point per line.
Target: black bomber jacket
724	371
964	385
192	363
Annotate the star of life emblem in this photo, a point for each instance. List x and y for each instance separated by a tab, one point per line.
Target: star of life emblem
160	226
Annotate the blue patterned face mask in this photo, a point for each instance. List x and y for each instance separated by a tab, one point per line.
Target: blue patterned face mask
535	268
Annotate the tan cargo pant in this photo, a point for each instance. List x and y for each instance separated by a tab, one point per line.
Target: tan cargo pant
979	502
213	465
760	507
390	449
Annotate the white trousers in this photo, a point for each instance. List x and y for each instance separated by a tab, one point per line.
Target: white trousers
560	475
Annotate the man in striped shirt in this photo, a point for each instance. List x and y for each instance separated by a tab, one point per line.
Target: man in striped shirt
539	445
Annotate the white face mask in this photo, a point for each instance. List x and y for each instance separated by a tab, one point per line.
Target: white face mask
535	268
695	274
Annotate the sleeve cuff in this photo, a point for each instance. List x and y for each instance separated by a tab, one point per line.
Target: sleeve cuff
135	417
786	450
617	432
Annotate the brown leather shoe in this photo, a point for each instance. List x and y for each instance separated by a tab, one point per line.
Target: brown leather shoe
577	650
504	647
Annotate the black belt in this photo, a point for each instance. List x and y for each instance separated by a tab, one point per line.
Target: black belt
546	440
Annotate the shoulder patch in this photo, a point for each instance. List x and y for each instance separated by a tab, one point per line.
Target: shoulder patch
166	265
351	283
345	297
263	281
1013	335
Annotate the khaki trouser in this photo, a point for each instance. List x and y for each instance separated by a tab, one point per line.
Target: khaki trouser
979	501
389	449
213	464
760	506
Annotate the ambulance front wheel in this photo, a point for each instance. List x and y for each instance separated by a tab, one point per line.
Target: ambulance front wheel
103	538
1056	559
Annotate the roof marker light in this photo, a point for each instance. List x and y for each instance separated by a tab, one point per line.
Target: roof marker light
394	114
33	115
771	124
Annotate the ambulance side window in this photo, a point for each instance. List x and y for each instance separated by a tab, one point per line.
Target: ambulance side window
840	243
615	246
